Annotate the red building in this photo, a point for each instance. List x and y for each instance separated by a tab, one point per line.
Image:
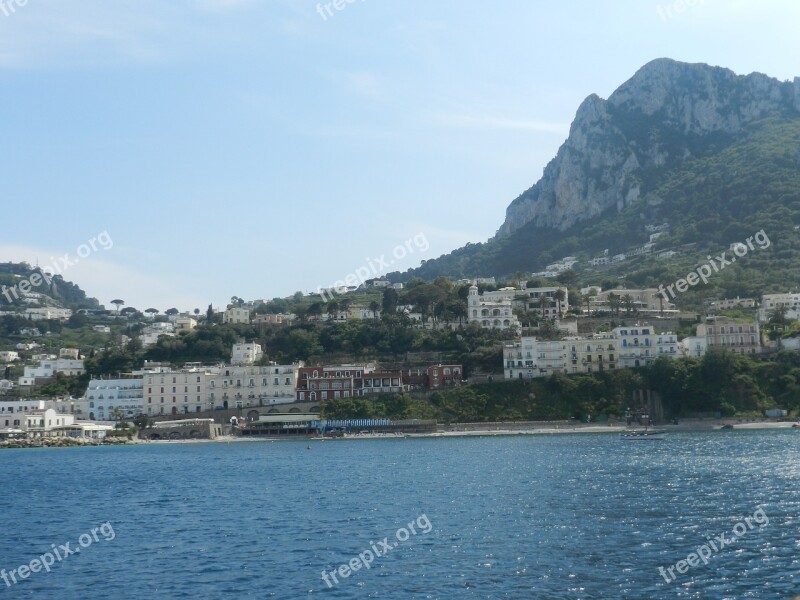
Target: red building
435	377
315	384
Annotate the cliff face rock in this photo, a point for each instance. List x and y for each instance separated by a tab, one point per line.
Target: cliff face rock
667	112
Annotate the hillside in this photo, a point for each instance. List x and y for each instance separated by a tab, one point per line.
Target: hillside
44	290
715	155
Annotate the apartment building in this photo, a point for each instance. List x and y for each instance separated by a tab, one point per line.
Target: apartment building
250	386
737	335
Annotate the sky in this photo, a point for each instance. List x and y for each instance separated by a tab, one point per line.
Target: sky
176	153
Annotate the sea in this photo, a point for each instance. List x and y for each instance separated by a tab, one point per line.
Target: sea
697	515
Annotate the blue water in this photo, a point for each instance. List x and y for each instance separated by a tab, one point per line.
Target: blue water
565	516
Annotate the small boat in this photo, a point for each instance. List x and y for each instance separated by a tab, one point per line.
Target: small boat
643	434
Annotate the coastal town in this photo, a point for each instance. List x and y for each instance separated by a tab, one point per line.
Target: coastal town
539	331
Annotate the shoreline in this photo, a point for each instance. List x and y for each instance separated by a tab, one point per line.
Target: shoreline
475	430
507	430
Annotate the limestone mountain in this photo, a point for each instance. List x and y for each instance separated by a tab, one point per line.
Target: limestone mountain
667	113
714	154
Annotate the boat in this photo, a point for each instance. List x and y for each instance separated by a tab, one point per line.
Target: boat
641	434
644	434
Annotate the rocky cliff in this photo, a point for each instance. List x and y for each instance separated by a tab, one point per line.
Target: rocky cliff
666	113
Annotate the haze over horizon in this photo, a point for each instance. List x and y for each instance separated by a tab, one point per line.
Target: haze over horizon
237	147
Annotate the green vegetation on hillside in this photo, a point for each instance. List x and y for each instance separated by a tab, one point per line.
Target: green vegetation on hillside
63	293
719	382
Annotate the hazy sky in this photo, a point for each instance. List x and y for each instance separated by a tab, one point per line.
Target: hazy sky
259	147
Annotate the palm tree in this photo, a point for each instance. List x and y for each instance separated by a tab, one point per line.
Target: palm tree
614	303
459	310
559	296
544	302
627	300
778	315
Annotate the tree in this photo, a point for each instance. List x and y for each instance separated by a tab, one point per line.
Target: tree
374	307
344	305
152	312
118	303
141	421
332	308
778	315
389	303
614	303
559	296
544	302
172	312
196	311
627	300
314	310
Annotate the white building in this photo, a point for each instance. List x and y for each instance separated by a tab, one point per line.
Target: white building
41	421
38	314
493	312
769	302
519	359
196	389
49	368
643	301
249	386
733	303
639	345
693	346
592	354
184	323
625	347
378	283
151	333
49	423
9	356
246	353
530	357
667	345
168	392
12	411
109	399
542	300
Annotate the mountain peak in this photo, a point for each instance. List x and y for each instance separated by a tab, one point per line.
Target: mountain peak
660	115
